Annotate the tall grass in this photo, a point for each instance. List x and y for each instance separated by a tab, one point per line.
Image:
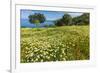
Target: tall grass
64	43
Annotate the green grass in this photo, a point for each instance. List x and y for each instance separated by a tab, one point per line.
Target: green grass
64	43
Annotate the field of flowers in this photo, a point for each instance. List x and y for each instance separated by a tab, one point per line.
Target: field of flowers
64	43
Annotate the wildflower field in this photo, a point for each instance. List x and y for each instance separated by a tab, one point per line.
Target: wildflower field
65	43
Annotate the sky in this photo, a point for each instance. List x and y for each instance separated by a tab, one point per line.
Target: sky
50	15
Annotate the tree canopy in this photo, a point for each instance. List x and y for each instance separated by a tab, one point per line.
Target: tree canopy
36	18
81	20
68	20
65	20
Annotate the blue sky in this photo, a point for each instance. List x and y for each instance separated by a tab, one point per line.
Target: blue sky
50	15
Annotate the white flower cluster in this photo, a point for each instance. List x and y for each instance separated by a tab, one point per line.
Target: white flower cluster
55	44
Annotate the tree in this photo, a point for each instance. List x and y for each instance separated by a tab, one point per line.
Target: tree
81	20
85	18
59	22
77	20
65	20
36	18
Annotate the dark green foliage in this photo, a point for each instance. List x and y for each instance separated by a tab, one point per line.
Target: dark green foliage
86	18
65	20
59	22
81	20
37	17
68	20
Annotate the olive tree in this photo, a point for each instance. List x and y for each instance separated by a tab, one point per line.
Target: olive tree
36	18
